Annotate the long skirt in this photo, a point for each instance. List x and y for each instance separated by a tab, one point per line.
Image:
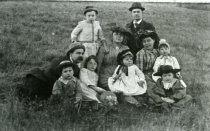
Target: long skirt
89	94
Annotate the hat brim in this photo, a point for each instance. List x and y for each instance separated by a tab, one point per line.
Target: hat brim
88	10
128	53
131	8
74	48
69	64
123	54
162	44
174	71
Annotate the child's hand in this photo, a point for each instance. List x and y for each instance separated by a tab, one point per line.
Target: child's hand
168	100
141	83
97	89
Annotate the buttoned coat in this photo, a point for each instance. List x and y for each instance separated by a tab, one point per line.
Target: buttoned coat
134	43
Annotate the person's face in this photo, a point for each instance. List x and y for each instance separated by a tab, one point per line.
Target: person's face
165	51
67	73
92	65
148	43
128	60
168	77
136	14
118	37
77	55
90	16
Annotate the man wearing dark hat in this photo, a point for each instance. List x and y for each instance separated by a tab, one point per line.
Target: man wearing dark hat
137	27
39	81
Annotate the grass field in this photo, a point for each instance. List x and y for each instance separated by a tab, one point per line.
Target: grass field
33	33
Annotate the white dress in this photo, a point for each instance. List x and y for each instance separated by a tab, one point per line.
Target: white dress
128	85
87	78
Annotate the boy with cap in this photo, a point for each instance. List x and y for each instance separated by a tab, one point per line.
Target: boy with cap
67	87
89	32
169	90
137	27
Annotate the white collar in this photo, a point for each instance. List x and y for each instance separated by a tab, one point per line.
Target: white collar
64	80
168	85
138	22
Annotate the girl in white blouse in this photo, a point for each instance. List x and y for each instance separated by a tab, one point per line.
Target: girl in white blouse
89	77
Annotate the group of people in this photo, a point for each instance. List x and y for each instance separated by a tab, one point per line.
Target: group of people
136	65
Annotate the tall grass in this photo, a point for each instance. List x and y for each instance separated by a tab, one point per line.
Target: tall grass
33	33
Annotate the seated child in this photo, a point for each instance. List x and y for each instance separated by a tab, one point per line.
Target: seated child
89	32
169	89
165	59
67	86
127	78
89	77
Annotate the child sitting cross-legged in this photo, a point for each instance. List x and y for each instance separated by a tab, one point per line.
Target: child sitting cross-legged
169	91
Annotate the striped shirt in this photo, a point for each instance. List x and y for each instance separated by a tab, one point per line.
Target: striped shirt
145	59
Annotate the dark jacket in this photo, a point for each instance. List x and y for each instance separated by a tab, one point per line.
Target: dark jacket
177	92
39	81
134	43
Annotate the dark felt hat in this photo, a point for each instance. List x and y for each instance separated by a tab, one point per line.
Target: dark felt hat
164	69
122	54
90	8
65	63
74	46
136	5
